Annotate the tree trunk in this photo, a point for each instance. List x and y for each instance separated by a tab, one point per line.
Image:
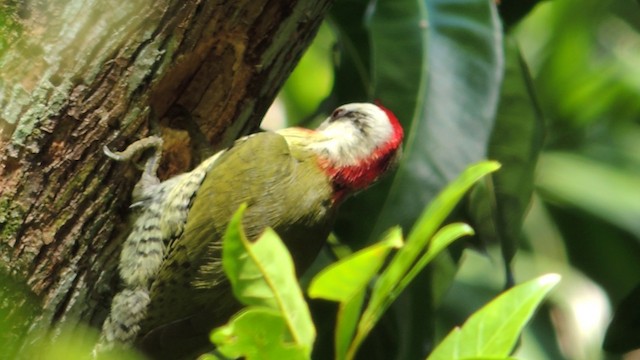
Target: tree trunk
78	75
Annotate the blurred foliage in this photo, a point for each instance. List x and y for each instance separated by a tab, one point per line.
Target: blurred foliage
18	308
19	339
10	26
557	103
311	81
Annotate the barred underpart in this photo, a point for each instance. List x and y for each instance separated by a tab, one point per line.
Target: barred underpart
161	213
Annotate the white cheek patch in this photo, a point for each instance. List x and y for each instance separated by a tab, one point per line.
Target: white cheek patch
344	142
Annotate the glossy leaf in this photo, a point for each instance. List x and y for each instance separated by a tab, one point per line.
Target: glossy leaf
453	117
494	330
344	279
262	274
257	333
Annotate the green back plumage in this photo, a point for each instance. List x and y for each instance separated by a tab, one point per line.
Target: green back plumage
284	188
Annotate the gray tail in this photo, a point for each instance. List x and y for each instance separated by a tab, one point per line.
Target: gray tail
128	309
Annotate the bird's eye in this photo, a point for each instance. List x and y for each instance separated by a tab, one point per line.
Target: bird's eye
338	113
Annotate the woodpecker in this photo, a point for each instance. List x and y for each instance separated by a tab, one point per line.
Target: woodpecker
292	180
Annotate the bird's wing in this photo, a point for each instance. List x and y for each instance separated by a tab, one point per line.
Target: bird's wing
192	265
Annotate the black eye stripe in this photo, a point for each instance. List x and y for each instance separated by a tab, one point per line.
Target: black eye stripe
354	116
343	113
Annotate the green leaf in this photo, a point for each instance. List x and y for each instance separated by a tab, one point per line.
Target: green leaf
494	330
311	80
453	117
353	68
498	208
262	274
19	308
398	36
437	211
344	279
348	315
406	264
346	282
443	238
257	333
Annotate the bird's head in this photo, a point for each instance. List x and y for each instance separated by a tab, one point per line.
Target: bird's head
357	144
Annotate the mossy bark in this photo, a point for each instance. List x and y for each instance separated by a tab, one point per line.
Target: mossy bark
78	75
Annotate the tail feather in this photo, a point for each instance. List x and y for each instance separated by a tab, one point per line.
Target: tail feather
128	309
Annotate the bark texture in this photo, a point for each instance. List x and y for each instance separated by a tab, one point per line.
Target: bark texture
78	75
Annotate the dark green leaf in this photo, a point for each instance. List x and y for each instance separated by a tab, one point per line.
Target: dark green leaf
498	208
623	334
353	68
443	238
453	117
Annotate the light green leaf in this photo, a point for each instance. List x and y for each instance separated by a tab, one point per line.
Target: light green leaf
257	333
344	279
403	265
346	282
494	330
262	274
428	223
311	80
346	324
443	238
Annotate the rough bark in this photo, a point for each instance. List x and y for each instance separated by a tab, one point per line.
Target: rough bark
78	75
